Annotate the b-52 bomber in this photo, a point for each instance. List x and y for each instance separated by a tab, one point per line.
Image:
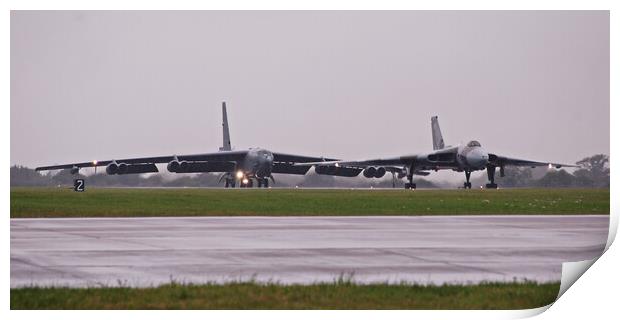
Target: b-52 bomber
236	166
461	158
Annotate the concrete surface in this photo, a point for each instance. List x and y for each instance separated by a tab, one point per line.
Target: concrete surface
151	251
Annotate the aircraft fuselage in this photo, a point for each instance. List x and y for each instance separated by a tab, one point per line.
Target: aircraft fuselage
468	157
258	163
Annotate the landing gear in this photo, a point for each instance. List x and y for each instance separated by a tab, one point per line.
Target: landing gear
467	184
491	175
393	179
410	184
263	182
247	184
230	183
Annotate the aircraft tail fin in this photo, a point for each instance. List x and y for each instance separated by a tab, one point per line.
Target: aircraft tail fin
437	138
226	133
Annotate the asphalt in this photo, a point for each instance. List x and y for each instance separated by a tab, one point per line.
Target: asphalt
141	252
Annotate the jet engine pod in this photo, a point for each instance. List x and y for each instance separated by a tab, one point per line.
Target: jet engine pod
332	170
183	166
337	171
380	172
173	166
370	172
112	168
122	168
138	168
321	169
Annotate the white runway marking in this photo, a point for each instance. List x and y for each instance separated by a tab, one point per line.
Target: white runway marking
150	251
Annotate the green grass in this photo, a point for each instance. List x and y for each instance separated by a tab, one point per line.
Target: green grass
99	202
337	295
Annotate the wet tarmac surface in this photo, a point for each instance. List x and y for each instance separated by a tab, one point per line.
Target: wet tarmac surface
94	252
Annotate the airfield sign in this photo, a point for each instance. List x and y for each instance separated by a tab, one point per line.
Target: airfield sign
78	185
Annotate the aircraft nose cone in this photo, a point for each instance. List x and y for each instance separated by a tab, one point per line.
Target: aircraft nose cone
477	158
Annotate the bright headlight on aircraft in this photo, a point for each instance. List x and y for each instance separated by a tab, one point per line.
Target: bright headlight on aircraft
245	181
239	175
95	162
550	166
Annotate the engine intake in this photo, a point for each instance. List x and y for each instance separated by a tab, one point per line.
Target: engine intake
380	172
112	168
173	166
183	166
374	172
122	168
370	172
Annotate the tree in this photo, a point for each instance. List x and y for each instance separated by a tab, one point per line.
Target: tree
594	171
516	177
26	177
559	178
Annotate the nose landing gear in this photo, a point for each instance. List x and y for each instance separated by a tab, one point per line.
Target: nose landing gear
246	183
467	184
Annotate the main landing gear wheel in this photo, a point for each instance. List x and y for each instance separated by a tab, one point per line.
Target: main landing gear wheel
491	176
410	185
230	183
263	182
467	185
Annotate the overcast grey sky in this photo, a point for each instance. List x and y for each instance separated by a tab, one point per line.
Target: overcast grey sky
104	85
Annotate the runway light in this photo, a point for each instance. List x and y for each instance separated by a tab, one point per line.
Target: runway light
337	165
239	174
245	181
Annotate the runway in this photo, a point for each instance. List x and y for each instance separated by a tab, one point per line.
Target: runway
141	252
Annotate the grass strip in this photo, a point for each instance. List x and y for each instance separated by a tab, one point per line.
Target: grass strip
250	295
61	202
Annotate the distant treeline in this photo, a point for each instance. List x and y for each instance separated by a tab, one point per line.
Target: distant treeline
594	173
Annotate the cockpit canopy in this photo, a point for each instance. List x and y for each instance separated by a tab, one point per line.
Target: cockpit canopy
474	143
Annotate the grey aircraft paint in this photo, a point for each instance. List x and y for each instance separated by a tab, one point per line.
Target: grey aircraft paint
461	158
237	167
